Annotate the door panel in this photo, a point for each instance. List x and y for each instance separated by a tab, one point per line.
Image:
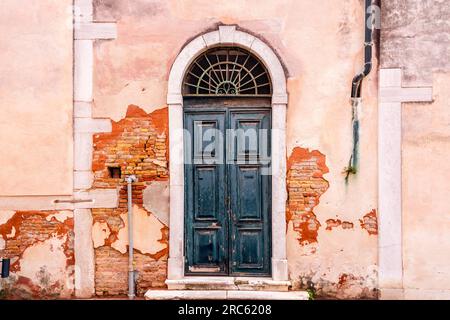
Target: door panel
205	211
227	189
250	246
206	194
207	256
251	138
249	191
249	186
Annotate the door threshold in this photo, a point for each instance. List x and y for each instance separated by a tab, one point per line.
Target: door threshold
228	283
224	295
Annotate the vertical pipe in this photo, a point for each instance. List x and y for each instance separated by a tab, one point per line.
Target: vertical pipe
5	268
356	104
356	99
368	44
131	290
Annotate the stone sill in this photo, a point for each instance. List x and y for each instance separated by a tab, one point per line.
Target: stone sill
224	295
228	283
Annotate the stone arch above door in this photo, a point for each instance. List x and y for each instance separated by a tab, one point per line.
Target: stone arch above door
226	36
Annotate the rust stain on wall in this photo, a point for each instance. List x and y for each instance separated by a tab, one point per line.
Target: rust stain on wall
305	184
370	222
138	144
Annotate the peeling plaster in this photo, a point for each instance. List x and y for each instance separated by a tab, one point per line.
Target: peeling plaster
100	232
5	215
138	144
46	272
305	183
147	233
26	229
370	223
156	200
334	223
12	234
60	216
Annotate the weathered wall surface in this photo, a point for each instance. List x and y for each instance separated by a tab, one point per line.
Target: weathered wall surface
331	238
137	145
415	38
40	245
426	224
331	221
36	145
36	97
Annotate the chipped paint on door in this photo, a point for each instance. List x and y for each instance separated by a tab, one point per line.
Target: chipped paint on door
227	187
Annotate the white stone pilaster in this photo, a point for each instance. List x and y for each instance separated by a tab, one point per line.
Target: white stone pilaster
391	96
279	193
176	169
84	254
85	32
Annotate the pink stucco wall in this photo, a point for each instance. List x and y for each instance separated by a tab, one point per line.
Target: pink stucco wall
321	48
334	251
36	97
414	38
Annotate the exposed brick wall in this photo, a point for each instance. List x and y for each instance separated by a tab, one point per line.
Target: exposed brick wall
370	222
30	227
335	223
138	144
26	229
112	272
305	184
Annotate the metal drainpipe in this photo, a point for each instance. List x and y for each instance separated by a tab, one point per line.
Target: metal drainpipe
368	44
130	179
357	83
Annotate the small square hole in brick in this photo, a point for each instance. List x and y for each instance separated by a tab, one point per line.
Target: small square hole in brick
114	172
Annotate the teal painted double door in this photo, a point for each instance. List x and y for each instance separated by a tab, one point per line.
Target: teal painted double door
227	187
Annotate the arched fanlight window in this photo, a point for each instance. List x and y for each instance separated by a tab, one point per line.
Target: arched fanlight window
227	72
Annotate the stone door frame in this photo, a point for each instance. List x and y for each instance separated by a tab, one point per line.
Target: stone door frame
226	36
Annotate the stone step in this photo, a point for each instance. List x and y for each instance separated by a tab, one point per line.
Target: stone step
224	295
228	284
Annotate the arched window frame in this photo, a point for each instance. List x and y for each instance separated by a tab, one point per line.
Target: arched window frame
227	72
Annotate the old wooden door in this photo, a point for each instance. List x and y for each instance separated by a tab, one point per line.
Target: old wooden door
227	187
